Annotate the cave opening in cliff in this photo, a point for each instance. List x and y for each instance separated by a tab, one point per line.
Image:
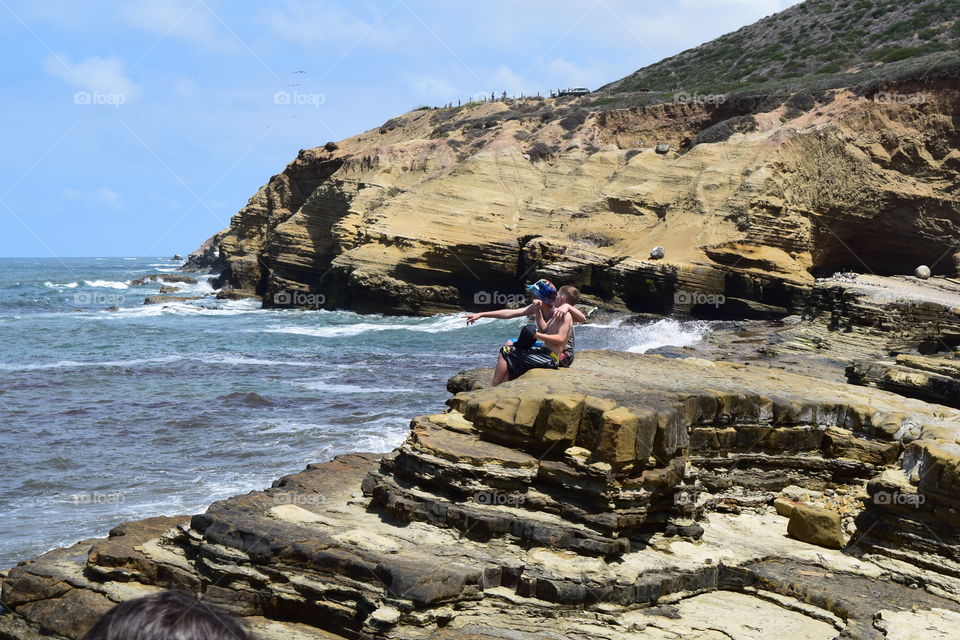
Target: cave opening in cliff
881	254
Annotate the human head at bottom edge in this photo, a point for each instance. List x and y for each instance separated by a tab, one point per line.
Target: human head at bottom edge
168	615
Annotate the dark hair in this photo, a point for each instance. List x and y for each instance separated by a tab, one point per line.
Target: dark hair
169	615
570	294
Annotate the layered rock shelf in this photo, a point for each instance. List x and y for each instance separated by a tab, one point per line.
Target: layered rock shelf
629	496
932	379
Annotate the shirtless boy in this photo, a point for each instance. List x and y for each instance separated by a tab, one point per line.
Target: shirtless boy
555	312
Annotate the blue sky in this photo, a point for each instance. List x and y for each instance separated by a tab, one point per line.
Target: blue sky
138	128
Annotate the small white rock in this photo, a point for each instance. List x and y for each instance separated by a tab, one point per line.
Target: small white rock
922	272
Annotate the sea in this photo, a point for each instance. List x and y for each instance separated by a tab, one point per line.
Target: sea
112	410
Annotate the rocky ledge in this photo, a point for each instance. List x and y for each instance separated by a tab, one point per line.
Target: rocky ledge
627	497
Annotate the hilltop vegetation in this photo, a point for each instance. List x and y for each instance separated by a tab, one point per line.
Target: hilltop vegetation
815	44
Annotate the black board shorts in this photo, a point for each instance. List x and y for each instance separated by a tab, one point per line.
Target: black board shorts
519	361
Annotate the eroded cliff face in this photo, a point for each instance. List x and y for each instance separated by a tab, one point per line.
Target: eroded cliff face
438	209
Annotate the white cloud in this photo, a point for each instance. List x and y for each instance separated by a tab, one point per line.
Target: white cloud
101	75
309	23
187	20
506	79
101	197
431	88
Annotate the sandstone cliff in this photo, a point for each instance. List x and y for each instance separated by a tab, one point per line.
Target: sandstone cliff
440	209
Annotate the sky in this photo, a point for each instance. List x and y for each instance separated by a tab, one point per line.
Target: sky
139	127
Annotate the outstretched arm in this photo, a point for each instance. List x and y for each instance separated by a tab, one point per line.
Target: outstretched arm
502	314
556	342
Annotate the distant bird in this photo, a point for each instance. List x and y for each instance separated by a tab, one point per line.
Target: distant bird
301	71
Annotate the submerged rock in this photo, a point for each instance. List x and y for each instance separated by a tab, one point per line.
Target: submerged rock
164	299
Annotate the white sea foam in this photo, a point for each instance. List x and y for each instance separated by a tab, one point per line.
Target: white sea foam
435	324
322	385
56	285
69	364
208	307
243	360
286	426
106	284
666	332
336	331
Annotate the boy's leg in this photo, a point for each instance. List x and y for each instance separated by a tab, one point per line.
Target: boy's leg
501	372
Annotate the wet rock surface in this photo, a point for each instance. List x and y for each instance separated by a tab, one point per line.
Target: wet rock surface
631	496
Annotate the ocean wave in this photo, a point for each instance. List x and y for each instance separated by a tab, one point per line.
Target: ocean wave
56	285
204	358
322	385
106	284
435	324
666	332
243	360
68	364
210	307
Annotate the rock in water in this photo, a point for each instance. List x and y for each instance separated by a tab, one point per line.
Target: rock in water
177	256
656	253
816	525
163	277
922	272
